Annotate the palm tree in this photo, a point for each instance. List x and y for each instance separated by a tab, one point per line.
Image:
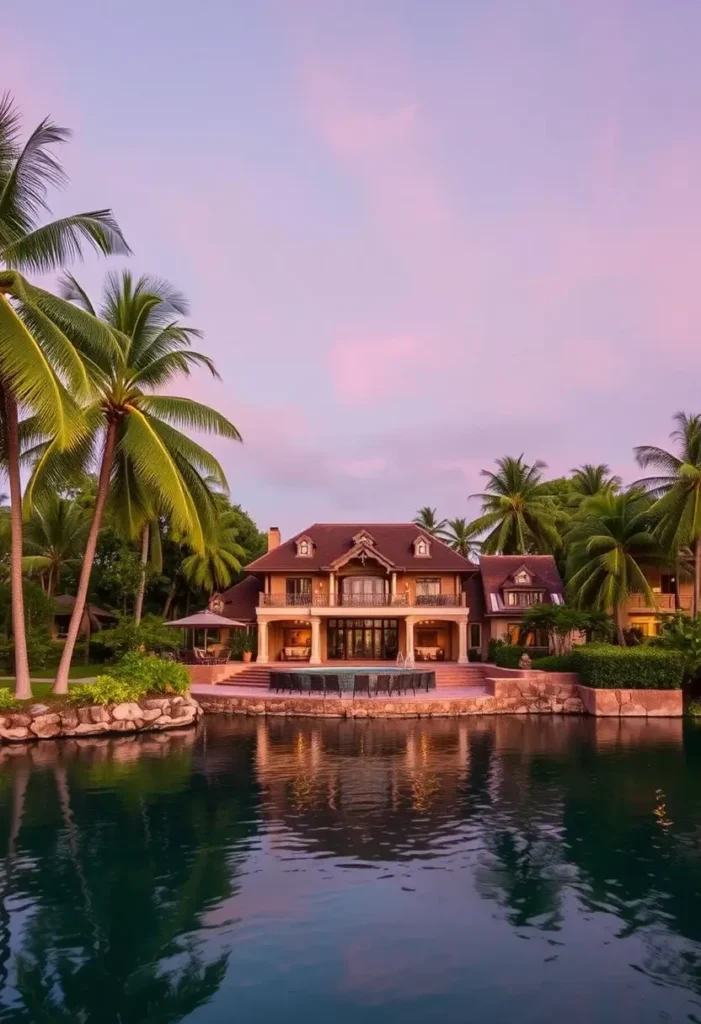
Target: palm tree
54	538
460	537
36	357
427	519
521	517
145	461
677	493
589	479
606	545
215	567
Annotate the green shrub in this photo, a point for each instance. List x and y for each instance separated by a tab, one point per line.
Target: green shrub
8	701
693	708
555	663
152	674
132	678
509	655
151	635
630	668
107	690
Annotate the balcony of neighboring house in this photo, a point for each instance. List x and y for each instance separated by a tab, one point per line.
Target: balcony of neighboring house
663	603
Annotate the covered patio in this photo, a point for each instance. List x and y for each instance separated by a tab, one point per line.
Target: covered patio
198	627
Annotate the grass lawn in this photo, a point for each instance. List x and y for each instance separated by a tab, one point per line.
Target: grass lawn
43	681
76	672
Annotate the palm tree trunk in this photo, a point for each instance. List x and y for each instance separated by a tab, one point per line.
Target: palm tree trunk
139	602
23	684
61	683
697	575
620	622
172	589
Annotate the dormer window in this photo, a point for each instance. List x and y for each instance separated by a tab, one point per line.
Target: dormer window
522	578
422	548
305	547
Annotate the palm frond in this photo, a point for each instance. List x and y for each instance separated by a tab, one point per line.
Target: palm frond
61	241
184	412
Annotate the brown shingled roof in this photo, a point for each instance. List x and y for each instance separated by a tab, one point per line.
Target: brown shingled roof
496	570
332	540
241	600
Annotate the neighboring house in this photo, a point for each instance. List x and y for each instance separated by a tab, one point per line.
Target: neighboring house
646	618
94	618
366	592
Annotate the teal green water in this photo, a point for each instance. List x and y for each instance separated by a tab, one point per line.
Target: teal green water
496	869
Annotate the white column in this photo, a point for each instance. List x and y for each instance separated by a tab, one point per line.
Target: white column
409	637
332	588
393	584
315	658
262	642
462	642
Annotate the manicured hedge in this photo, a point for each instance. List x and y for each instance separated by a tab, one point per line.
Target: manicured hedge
629	668
555	663
508	655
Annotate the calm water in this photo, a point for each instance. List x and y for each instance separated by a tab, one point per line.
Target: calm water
491	870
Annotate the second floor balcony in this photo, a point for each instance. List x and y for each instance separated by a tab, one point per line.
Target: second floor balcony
367	600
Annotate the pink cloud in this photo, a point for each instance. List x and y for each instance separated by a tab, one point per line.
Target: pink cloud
367	370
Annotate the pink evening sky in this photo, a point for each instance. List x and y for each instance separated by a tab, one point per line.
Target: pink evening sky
417	236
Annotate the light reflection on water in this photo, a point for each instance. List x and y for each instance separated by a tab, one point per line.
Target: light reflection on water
276	869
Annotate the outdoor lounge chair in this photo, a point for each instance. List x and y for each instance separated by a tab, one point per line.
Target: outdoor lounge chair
361	684
279	681
332	684
396	684
316	684
383	683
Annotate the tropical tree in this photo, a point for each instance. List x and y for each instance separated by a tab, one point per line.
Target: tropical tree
216	566
607	545
461	537
145	461
37	360
519	516
54	538
427	519
677	492
590	479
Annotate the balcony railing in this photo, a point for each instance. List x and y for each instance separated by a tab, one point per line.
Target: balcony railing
360	601
663	603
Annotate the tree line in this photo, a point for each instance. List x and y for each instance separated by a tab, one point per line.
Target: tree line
89	412
603	534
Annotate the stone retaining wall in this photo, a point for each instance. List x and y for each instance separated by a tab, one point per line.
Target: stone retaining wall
530	702
632	703
41	721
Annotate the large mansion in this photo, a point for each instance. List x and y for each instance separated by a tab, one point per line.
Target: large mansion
366	592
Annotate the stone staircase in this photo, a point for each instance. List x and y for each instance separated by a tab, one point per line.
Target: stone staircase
251	675
448	674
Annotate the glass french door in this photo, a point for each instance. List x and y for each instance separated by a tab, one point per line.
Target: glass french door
363	639
362	590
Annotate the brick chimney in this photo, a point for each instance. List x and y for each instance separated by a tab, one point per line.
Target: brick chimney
273	538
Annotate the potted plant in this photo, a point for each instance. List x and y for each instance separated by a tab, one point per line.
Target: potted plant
247	649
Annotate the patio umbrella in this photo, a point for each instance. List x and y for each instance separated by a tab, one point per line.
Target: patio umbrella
205	620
